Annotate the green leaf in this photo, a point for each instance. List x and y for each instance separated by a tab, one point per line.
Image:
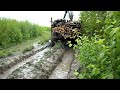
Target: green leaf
95	71
113	43
101	55
76	73
81	76
104	77
110	76
98	21
102	62
114	22
69	42
90	65
118	67
114	31
70	45
101	41
77	40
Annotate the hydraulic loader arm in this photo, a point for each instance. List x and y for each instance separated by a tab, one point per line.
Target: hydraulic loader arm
70	15
65	14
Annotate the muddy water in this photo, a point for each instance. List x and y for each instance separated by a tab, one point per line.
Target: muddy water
35	58
62	70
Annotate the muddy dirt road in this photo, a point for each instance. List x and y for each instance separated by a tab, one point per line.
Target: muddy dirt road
43	62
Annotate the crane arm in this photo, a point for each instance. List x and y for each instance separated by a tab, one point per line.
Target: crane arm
70	15
65	14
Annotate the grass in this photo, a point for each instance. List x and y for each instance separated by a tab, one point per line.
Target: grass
28	49
45	37
4	53
42	41
22	46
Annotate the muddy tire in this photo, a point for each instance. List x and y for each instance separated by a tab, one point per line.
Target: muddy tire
53	42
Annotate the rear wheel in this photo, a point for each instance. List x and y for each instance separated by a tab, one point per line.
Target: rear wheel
52	42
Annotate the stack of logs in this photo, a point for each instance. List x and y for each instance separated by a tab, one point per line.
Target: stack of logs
66	29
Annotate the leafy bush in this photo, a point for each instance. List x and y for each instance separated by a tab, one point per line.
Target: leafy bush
45	37
13	31
92	21
100	54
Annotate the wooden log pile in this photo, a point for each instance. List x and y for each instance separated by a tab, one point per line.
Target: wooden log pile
66	29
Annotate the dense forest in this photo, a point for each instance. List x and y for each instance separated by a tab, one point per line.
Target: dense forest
98	49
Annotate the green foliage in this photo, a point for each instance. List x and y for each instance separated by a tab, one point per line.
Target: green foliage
100	54
13	31
69	44
95	59
45	37
92	21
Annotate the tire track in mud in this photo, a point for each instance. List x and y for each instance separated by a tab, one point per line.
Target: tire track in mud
48	63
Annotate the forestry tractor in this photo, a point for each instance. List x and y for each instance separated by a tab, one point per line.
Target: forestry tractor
65	30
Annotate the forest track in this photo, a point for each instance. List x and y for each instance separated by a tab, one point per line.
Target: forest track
45	63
